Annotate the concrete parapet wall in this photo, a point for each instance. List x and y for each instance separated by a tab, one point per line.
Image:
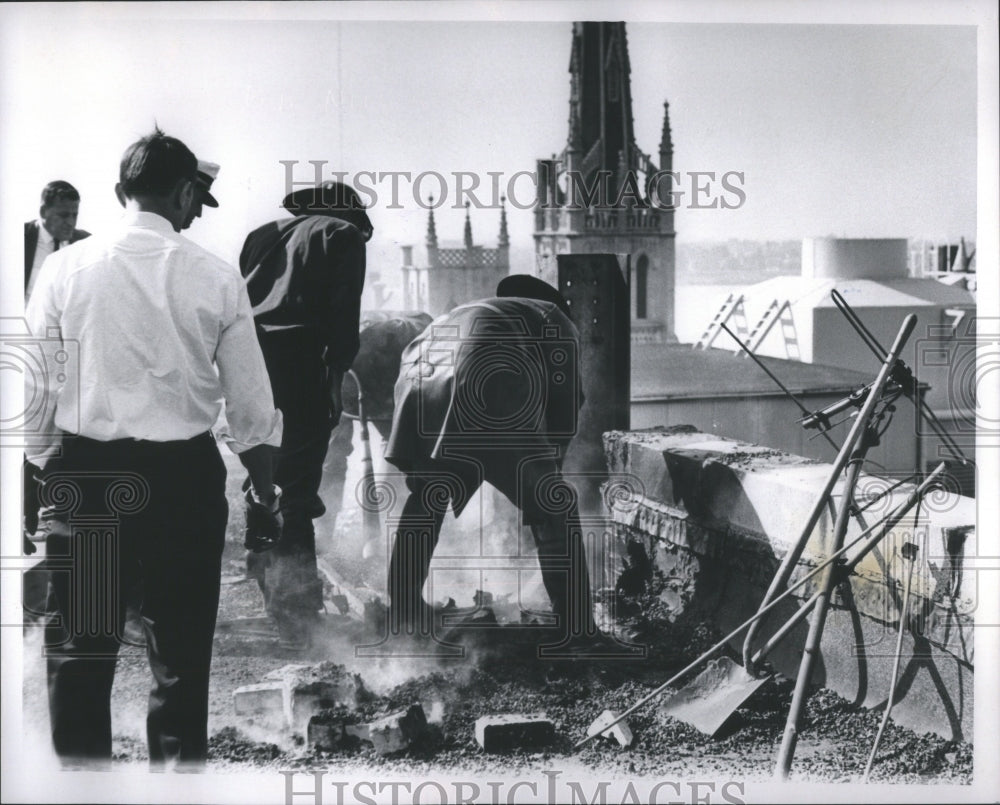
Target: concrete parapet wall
716	516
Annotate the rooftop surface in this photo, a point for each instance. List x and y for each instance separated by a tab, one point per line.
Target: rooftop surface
677	371
862	293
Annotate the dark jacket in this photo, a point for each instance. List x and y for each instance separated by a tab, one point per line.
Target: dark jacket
308	271
31	241
493	380
384	336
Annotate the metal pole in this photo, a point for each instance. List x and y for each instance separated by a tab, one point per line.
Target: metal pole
812	647
811	650
791	559
909	553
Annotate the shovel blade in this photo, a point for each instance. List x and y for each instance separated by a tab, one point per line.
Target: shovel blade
708	700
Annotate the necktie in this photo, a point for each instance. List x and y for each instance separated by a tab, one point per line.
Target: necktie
55	245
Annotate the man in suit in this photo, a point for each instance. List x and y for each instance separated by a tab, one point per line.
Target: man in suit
490	392
55	228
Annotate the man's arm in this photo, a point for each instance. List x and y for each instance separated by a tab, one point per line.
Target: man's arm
254	425
344	252
258	463
250	413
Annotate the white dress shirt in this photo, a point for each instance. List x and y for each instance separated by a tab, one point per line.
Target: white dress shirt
155	333
45	246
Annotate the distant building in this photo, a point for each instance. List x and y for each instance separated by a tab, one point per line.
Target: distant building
951	263
795	317
601	148
457	274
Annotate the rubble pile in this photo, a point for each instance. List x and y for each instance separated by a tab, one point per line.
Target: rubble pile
537	711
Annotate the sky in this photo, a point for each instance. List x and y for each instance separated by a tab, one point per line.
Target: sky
846	130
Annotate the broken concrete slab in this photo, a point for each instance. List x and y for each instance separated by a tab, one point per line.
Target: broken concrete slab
285	672
262	703
620	732
314	688
323	734
347	598
393	732
501	733
291	695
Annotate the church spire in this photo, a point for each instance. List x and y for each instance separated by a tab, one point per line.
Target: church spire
432	238
468	228
504	240
666	143
600	118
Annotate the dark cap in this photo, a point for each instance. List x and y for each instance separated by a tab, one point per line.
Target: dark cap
529	287
207	171
330	198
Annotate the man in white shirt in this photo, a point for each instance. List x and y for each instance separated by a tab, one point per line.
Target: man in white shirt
144	335
55	227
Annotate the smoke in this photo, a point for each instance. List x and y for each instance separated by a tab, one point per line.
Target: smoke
34	702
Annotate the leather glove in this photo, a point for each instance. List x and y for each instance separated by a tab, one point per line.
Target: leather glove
264	523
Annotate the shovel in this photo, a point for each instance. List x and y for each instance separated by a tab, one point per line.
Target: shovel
708	700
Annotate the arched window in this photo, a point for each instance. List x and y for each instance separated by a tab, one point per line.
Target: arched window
641	279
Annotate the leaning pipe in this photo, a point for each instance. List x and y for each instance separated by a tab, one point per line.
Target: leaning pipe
843	457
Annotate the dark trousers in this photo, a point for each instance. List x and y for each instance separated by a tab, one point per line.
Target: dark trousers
146	515
287	574
548	506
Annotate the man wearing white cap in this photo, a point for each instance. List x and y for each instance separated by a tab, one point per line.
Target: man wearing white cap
207	172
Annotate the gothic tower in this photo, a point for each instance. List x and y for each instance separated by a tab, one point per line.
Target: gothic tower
455	273
596	196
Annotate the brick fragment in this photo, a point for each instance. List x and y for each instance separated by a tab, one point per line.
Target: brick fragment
620	732
398	730
501	733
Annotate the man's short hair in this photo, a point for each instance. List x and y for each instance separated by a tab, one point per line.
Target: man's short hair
155	164
57	191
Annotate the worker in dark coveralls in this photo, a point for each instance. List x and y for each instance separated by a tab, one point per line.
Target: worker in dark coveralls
159	332
304	275
490	392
